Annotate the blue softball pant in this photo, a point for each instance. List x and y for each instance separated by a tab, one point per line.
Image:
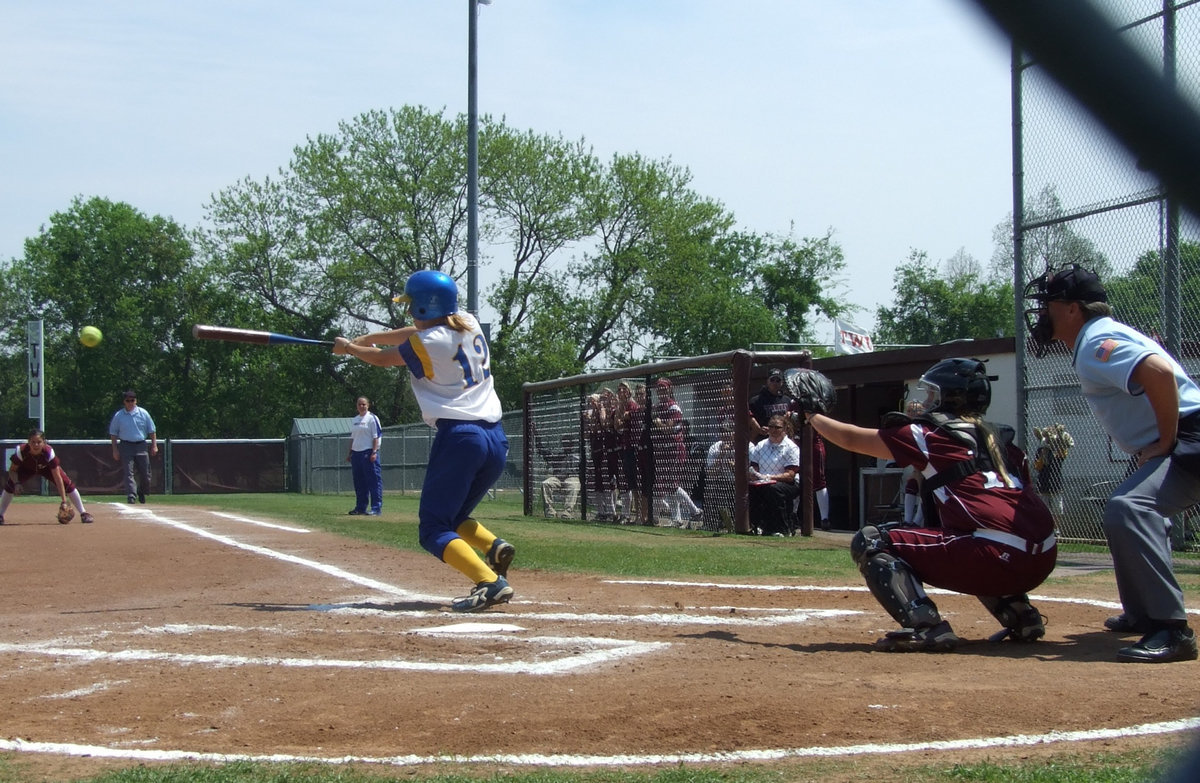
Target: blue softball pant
466	459
368	481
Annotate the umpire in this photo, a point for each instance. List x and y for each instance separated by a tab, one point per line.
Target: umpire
134	442
1145	400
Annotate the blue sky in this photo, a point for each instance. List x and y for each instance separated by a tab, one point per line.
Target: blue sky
887	122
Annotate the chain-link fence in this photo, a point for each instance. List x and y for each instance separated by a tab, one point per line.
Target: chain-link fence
317	463
1087	200
658	444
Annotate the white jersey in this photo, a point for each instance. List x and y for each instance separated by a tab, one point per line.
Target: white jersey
451	373
364	430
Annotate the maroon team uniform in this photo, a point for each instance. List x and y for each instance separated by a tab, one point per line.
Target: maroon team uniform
29	465
1012	552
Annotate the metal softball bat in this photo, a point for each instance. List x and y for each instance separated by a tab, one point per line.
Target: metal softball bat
234	335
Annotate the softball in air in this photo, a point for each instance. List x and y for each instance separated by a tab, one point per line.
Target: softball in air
90	336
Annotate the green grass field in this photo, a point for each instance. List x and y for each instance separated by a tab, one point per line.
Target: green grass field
623	551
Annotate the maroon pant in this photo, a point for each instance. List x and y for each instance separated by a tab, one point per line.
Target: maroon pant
965	564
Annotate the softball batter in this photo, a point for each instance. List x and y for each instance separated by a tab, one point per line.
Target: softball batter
447	357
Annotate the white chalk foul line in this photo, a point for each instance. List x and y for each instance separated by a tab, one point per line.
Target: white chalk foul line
334	571
259	522
572	760
852	589
576	653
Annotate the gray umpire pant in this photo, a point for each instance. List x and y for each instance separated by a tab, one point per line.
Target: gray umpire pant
135	458
1138	531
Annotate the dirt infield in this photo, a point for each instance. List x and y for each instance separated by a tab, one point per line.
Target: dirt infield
169	633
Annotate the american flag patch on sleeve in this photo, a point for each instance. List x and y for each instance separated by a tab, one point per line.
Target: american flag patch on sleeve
1105	351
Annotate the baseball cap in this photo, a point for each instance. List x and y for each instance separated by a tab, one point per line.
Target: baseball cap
663	383
775	376
1072	284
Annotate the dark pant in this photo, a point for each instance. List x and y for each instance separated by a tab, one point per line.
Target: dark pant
135	459
771	507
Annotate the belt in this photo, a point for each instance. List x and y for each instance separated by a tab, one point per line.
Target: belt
1016	542
134	441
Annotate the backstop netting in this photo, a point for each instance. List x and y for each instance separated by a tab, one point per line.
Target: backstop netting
603	446
1086	200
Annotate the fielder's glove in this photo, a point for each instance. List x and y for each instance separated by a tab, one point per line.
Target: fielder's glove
66	512
814	392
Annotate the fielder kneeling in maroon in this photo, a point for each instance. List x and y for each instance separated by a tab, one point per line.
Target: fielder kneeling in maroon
987	533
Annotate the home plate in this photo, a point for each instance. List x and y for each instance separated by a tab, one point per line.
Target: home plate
472	628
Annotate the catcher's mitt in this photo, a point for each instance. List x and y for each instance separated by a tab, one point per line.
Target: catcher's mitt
66	512
814	392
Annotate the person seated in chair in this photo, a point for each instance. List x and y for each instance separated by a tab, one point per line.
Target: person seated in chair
560	489
774	465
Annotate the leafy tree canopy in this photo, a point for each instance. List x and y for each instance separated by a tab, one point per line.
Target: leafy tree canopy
937	303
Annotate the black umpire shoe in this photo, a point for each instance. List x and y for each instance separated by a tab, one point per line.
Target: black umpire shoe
1161	646
141	496
1123	623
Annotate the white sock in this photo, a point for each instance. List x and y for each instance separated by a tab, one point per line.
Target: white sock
823	502
686	500
76	501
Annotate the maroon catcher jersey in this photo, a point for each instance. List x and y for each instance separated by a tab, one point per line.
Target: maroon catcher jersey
979	500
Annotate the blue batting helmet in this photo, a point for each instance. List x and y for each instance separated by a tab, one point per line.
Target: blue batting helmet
430	294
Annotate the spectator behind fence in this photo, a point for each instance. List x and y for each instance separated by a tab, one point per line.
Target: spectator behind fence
774	465
716	482
600	426
560	489
630	423
686	510
666	438
769	401
913	513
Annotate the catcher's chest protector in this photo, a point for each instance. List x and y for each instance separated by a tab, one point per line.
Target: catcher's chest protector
967	434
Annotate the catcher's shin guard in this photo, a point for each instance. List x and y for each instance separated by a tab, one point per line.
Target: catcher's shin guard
896	589
866	542
1022	623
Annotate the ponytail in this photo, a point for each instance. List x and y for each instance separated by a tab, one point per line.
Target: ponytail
992	443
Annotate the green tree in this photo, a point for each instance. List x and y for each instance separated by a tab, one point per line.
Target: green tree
105	264
595	263
1137	298
934	306
1052	243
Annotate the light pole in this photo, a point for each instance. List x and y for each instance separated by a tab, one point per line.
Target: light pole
473	159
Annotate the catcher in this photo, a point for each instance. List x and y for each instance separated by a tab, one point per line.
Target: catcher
987	532
35	457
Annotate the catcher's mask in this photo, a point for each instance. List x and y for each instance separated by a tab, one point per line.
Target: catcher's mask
1071	284
956	387
430	294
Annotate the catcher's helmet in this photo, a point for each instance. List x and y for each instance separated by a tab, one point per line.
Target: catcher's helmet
957	387
430	294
